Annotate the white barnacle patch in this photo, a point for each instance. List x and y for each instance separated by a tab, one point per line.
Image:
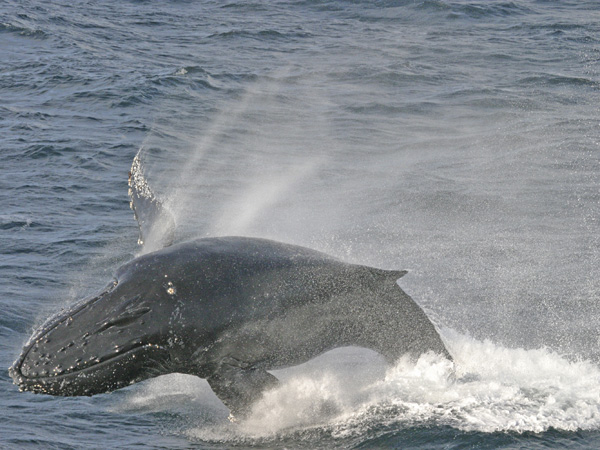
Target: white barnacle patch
171	288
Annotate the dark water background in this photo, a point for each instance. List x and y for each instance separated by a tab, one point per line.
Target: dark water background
457	139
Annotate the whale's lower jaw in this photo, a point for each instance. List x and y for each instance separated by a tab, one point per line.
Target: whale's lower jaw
113	372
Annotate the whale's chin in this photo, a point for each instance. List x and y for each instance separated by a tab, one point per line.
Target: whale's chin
105	374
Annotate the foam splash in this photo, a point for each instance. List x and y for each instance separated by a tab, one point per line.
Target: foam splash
349	392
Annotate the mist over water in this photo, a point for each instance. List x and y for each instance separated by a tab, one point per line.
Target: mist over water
488	223
513	373
455	139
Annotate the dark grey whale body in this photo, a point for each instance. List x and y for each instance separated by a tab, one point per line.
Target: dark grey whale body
227	309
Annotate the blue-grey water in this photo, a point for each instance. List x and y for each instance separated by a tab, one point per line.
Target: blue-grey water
457	139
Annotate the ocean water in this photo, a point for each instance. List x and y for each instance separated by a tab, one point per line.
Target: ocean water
457	139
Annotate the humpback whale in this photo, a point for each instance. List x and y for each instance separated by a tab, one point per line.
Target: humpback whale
227	309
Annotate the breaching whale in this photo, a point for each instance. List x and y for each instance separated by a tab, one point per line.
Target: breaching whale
227	309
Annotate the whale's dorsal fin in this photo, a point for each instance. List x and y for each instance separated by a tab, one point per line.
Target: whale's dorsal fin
383	274
156	224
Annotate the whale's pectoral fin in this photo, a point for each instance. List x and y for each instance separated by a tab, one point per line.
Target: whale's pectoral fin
157	226
239	388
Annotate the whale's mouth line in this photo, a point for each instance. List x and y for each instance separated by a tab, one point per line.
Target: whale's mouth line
24	381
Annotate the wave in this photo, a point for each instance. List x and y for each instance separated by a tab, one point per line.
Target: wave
558	80
23	30
490	9
10	221
262	35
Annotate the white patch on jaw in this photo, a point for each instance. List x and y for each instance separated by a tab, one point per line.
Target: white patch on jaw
171	288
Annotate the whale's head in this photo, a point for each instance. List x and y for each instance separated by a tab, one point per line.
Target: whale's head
114	339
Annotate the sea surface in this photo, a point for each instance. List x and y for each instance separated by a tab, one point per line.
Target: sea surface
457	139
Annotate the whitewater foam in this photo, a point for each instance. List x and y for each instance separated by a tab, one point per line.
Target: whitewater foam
349	392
